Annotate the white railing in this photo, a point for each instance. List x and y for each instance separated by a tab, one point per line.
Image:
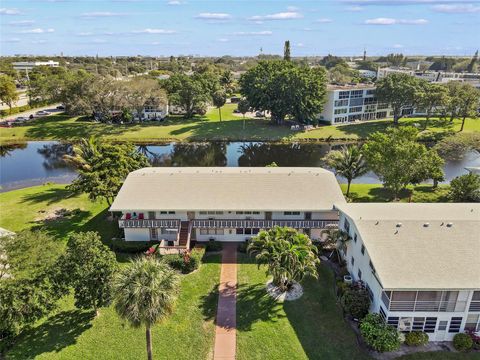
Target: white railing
474	305
149	223
436	306
264	224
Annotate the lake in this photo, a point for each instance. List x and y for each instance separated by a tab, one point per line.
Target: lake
38	162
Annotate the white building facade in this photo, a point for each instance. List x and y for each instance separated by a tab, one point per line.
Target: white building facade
419	262
353	103
29	65
180	205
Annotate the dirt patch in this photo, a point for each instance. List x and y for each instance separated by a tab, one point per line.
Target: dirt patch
55	214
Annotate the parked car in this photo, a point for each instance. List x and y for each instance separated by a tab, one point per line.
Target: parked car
259	114
21	119
61	107
42	113
236	111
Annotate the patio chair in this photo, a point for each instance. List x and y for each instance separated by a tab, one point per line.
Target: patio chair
128	216
140	216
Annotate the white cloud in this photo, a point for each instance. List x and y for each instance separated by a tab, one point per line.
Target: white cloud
37	31
174	2
391	21
154	31
42	41
398	46
84	34
11	40
99	41
21	23
253	33
292	8
223	40
289	15
214	16
456	8
5	11
300	44
324	20
96	14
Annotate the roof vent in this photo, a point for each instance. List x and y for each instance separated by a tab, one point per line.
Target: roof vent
426	225
399	224
449	224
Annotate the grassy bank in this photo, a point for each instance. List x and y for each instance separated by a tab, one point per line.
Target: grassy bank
377	193
205	128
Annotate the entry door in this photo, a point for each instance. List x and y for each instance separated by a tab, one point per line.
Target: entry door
268	215
308	215
441	330
191	215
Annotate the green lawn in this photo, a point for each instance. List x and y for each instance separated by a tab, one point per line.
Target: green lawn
74	334
309	328
204	128
377	193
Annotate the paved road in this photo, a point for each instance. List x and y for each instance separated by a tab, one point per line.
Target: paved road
50	108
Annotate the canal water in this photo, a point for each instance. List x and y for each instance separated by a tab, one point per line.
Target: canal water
38	162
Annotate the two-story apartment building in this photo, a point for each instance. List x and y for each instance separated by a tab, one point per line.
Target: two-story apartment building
351	103
419	262
179	205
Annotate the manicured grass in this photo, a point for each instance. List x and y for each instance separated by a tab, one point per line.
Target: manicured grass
25	209
309	328
377	193
205	128
73	334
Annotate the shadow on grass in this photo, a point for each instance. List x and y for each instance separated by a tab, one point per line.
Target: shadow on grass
56	333
50	196
318	321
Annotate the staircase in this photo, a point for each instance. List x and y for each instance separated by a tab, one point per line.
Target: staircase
184	236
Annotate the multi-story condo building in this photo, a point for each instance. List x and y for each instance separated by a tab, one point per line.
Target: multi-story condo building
180	205
29	65
351	103
419	262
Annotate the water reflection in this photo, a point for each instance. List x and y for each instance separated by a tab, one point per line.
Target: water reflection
53	155
6	150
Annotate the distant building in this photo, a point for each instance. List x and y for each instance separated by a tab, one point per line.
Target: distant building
371	74
29	65
419	262
351	103
432	76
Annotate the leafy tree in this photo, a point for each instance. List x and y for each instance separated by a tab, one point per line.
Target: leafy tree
102	168
286	51
284	89
367	65
472	66
342	73
377	334
348	162
28	253
455	147
187	91
288	255
430	166
453	104
468	100
8	90
89	266
465	188
398	159
244	107
396	59
227	82
140	93
219	99
331	61
442	64
430	97
399	91
145	293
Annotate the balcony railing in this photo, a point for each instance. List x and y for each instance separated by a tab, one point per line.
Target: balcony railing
474	305
436	306
149	223
264	224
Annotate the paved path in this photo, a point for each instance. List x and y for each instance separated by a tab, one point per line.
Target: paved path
226	322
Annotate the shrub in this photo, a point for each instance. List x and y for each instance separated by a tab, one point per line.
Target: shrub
341	287
185	263
356	302
377	334
475	338
214	246
462	342
416	338
242	247
132	246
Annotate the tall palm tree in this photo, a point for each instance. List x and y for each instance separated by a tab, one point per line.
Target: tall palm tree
145	293
348	162
83	152
337	239
288	255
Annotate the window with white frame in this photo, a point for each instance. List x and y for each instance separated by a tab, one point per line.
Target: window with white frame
153	234
472	322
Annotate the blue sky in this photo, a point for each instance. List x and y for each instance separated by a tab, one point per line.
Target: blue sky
238	27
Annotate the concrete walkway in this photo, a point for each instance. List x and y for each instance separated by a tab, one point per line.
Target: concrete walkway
226	322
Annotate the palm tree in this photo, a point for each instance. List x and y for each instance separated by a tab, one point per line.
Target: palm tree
145	293
348	162
288	255
85	150
337	239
